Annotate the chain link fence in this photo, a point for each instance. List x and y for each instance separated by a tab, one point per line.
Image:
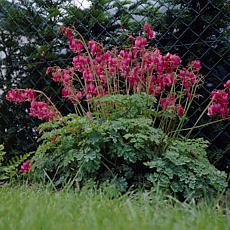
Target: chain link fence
30	41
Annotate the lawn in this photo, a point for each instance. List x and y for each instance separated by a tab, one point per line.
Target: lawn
36	208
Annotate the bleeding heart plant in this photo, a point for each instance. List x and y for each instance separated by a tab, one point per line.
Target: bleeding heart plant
131	105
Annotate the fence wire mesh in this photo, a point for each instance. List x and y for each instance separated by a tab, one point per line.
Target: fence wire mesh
30	41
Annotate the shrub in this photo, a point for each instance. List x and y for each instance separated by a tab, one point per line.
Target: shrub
131	106
127	150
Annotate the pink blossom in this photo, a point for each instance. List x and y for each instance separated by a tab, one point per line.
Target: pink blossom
20	96
188	79
80	62
188	96
87	75
149	31
171	62
29	94
196	66
140	42
168	102
79	95
66	92
56	76
180	110
168	80
42	110
66	76
92	46
90	89
227	84
219	105
75	45
48	70
69	33
25	167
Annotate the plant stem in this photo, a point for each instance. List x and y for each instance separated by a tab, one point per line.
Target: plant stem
203	125
198	119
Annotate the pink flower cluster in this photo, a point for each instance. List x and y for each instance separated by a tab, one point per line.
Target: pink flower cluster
20	96
38	109
42	111
98	71
219	101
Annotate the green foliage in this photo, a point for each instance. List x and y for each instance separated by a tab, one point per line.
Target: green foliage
9	170
123	147
185	169
2	153
95	148
129	106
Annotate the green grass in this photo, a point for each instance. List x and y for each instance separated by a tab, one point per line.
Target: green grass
36	208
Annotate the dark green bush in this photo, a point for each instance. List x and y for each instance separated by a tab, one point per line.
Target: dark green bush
125	149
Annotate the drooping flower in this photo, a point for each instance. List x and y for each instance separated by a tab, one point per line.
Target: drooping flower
25	167
42	111
149	31
196	66
75	45
227	86
140	42
65	92
180	110
20	96
56	76
168	102
48	70
219	105
188	79
188	96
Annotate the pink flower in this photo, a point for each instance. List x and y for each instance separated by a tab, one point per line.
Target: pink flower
25	167
42	111
20	96
219	105
188	78
87	75
168	80
219	96
92	46
66	92
29	94
140	42
75	45
171	62
227	84
79	95
56	76
68	32
168	102
48	70
149	31
90	89
188	96
180	110
196	65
